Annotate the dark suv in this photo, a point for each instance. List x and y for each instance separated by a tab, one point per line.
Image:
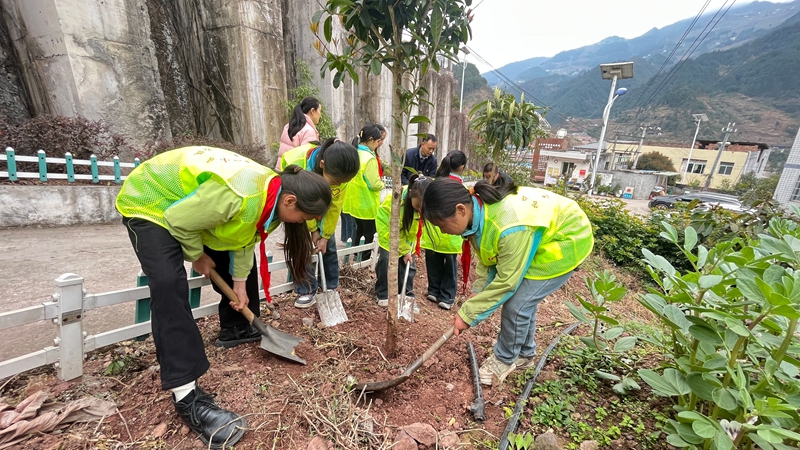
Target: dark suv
705	199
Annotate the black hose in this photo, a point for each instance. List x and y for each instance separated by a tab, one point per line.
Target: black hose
513	421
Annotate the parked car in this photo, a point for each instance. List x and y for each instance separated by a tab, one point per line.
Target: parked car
704	199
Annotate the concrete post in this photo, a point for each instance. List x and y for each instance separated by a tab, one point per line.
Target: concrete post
69	295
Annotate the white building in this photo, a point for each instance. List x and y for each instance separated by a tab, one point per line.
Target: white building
788	190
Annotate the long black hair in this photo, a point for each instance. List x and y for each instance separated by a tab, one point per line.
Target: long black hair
372	131
439	202
298	119
313	197
453	160
341	160
417	185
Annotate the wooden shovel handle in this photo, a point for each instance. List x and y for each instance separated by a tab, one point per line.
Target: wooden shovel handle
428	353
217	279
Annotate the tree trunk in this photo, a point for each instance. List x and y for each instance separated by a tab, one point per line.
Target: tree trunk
397	155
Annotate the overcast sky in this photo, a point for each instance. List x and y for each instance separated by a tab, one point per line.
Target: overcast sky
505	31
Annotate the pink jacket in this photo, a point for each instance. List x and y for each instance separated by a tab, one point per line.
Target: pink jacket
306	134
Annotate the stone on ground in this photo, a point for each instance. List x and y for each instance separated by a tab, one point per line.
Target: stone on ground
423	433
547	441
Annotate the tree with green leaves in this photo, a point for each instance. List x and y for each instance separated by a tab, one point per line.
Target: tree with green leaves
655	161
404	37
502	122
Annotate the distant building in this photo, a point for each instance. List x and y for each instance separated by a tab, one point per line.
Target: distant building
737	159
788	190
548	145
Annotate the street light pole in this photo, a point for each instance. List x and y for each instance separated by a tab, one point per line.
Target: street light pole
611	98
698	118
728	130
609	72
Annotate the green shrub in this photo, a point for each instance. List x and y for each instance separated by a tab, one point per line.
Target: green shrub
732	356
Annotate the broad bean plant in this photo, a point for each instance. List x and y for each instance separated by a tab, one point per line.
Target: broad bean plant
730	339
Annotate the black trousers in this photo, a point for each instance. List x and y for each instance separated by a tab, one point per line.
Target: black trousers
367	229
382	274
179	346
442	274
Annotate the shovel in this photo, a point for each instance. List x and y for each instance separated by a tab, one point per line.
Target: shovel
272	340
383	385
331	311
405	308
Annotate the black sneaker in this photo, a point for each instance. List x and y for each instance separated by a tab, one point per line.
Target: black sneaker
240	334
216	427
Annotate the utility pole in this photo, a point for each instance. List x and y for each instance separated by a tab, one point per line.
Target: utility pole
645	129
728	130
463	76
698	119
614	153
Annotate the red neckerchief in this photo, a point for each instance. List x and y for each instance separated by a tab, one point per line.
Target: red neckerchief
466	255
273	188
380	165
419	235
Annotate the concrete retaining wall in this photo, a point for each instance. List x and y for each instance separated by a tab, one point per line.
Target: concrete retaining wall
56	206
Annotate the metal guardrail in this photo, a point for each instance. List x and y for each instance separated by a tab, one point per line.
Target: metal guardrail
11	159
71	302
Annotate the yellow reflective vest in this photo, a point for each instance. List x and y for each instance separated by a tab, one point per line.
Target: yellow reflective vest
567	238
361	201
169	177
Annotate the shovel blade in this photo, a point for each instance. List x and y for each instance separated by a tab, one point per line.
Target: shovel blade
330	308
279	343
379	385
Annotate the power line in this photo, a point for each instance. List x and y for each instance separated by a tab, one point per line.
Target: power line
687	55
669	57
689	52
514	84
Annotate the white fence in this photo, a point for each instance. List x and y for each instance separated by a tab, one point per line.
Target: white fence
11	159
71	302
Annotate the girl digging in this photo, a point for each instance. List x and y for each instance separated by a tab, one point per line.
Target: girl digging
364	191
210	206
441	250
528	242
338	163
409	216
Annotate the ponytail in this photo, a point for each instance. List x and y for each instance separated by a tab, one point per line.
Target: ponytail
371	131
452	161
417	185
298	119
313	197
341	160
439	202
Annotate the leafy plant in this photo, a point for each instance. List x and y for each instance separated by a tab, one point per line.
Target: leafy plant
605	289
732	356
521	441
502	121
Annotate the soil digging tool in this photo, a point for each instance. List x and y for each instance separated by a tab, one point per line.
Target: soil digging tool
272	340
383	385
405	308
478	407
329	306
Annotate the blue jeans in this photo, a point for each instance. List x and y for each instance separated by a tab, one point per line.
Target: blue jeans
518	318
348	224
330	261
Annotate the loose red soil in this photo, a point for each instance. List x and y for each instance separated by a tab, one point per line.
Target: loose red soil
283	401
